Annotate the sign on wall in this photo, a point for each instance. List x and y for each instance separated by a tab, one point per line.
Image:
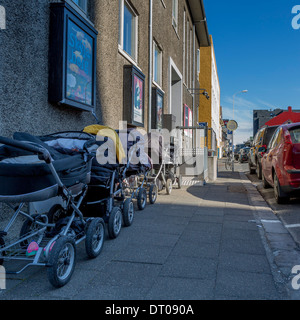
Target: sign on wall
134	96
72	58
79	65
157	108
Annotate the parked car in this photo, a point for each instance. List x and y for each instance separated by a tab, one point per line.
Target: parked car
261	139
281	162
243	155
237	149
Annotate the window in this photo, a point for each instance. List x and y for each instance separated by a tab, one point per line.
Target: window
198	62
175	14
128	30
157	64
82	4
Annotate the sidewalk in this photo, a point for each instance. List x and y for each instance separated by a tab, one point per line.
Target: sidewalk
198	243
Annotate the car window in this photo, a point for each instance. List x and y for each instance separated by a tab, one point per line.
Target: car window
258	137
268	135
273	141
295	134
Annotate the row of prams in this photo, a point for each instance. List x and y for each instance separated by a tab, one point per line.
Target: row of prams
63	169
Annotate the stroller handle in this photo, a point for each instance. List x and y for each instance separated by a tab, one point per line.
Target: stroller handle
39	150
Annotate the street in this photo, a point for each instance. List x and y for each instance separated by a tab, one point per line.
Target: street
220	241
288	213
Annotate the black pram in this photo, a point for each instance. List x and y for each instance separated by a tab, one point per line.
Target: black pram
30	171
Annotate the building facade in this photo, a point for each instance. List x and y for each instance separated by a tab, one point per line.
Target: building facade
209	109
66	64
273	117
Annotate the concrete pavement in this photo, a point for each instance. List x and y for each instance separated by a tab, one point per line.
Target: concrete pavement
214	242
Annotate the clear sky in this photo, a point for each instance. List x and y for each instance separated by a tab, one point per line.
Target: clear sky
256	49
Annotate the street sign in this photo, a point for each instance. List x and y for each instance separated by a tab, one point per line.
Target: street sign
232	125
202	124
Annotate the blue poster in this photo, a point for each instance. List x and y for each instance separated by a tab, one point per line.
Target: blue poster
79	65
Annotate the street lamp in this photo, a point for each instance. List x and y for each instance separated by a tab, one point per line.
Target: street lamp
243	91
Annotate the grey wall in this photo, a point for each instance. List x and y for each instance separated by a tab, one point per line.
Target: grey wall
24	74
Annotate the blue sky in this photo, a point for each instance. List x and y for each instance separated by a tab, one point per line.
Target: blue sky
256	49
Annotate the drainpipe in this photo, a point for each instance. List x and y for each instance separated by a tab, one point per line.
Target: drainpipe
150	64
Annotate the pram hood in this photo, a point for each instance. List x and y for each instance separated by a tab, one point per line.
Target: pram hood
112	140
133	142
23	177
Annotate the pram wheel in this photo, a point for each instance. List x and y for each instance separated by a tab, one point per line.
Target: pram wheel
153	193
56	213
95	238
128	212
29	226
169	186
115	223
61	262
142	199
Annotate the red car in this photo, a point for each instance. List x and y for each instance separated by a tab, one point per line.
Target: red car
281	162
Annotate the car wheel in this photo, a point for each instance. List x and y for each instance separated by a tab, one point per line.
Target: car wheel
252	171
265	183
259	171
280	196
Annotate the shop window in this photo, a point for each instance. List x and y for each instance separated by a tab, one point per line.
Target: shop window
128	29
157	64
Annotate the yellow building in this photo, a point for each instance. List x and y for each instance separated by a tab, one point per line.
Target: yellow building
209	110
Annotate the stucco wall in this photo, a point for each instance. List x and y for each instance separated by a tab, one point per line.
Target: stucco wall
24	74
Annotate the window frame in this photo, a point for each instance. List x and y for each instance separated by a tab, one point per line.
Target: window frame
134	58
82	8
157	48
175	14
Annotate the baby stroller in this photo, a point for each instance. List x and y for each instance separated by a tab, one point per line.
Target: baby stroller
105	196
165	168
31	171
139	166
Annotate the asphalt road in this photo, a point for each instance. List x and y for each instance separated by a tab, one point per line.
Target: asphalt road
288	213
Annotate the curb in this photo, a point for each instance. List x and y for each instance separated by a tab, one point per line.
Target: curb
282	251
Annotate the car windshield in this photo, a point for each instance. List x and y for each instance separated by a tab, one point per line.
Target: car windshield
268	135
295	134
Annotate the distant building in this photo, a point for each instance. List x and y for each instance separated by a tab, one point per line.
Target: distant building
289	116
209	110
262	117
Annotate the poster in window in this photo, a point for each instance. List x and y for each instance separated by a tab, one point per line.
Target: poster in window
188	121
79	65
138	94
159	111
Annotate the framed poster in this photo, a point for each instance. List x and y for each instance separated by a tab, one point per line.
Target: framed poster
157	108
188	121
138	99
72	58
134	96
